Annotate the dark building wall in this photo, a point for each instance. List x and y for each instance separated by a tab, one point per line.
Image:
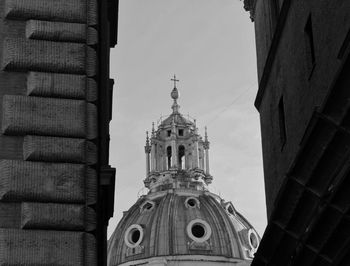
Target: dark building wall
54	113
297	69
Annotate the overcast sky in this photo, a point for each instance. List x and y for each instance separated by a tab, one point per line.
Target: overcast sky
210	46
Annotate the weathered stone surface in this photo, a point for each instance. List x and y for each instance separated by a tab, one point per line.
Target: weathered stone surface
54	248
53	149
91	153
56	10
11	147
56	85
57	31
91	186
90	250
92	129
34	181
91	62
53	216
92	36
92	10
10	214
43	116
90	219
92	90
27	55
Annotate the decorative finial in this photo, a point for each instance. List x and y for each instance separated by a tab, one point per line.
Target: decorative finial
206	142
147	138
153	131
175	95
148	146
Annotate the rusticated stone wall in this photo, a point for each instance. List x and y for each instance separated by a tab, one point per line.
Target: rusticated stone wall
49	132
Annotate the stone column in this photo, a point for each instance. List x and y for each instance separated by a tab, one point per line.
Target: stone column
195	155
153	156
207	161
173	153
147	151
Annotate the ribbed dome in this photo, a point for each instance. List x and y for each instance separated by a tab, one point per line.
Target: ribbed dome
181	222
178	119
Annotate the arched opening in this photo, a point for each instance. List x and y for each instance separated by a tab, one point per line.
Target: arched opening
181	157
168	154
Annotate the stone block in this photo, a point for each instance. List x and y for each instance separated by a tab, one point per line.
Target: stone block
92	12
10	214
56	31
53	149
53	216
91	62
91	186
54	248
92	130
55	10
24	115
92	91
90	250
91	153
56	85
35	55
92	36
42	182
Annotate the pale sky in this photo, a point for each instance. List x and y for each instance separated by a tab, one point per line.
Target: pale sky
210	46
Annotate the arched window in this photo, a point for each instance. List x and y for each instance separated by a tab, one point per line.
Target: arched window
181	157
168	154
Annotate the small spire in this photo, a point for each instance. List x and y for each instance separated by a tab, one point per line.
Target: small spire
153	131
147	139
206	142
147	146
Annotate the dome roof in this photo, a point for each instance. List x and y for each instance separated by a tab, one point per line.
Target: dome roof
207	226
178	119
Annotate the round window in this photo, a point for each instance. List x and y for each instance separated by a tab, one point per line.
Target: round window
147	206
199	230
253	239
192	202
133	236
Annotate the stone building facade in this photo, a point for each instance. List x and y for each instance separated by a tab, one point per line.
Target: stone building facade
179	222
56	187
303	100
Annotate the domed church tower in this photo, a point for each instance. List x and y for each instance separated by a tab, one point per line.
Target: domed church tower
179	221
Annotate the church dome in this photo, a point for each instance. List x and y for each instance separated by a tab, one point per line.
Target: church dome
182	225
179	222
